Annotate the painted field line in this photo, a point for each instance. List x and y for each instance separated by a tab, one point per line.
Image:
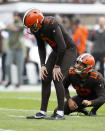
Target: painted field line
6	130
25	98
20	110
17	116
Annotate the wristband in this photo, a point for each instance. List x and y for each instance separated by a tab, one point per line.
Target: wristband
56	66
43	65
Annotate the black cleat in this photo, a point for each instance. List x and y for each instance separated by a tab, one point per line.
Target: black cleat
84	111
92	113
37	116
55	117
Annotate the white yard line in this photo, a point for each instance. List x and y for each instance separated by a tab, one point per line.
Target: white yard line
6	130
20	110
25	98
17	116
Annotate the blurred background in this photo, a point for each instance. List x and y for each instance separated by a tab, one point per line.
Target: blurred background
81	18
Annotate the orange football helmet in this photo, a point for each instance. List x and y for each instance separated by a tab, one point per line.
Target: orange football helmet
85	63
33	19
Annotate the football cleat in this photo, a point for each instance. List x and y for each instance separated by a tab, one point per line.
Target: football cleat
84	111
92	113
55	117
37	116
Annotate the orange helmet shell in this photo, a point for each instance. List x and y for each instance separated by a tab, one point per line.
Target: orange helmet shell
88	60
31	17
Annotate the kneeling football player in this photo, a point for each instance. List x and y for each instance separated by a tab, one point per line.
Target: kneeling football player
89	85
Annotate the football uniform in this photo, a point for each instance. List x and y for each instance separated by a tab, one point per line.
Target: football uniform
92	88
58	39
63	54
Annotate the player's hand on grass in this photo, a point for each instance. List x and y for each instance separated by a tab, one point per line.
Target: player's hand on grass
44	72
72	105
57	74
86	103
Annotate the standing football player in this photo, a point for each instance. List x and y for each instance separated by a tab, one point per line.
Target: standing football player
89	85
49	30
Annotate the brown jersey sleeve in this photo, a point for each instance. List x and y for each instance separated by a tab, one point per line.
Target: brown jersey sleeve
100	92
61	46
99	89
42	51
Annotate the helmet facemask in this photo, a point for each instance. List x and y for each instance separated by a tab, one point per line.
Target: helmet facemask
34	28
81	68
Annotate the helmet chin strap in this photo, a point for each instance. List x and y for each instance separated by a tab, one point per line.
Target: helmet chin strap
84	70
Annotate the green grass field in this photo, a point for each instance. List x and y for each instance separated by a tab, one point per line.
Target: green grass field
15	106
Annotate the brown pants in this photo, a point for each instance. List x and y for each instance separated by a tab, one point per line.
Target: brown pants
68	60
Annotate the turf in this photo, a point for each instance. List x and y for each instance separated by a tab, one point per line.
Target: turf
15	106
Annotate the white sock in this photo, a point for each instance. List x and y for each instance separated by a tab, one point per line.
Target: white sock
61	113
43	112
